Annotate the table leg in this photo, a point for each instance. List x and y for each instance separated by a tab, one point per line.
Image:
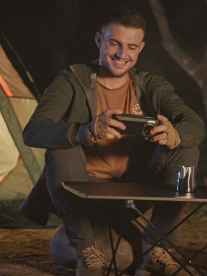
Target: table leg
130	204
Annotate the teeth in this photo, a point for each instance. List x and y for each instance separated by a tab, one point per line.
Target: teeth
119	62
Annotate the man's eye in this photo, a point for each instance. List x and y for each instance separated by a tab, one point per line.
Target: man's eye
132	47
113	43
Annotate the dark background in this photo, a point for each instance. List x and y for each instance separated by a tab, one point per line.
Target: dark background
50	34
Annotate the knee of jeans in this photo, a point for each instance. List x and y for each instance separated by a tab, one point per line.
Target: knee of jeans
177	157
189	156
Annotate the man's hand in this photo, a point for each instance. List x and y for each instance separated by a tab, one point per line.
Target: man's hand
100	128
164	134
102	125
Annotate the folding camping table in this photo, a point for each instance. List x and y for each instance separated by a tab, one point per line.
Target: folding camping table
134	191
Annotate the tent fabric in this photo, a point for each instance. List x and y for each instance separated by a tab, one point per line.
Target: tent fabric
17	104
12	78
5	87
9	153
20	166
15	129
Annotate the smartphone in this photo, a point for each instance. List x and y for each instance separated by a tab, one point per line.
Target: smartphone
136	125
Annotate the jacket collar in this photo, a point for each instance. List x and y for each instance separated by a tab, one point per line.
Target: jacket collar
86	75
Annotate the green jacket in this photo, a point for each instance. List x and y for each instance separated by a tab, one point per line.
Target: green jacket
71	99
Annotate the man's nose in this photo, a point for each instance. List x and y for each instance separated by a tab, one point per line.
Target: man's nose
122	52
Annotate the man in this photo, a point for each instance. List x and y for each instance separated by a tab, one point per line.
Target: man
73	122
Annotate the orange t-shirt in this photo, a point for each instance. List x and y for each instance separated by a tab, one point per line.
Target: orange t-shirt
109	158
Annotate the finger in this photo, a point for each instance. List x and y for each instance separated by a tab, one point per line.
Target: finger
111	133
162	118
159	137
116	124
162	142
157	129
109	136
111	111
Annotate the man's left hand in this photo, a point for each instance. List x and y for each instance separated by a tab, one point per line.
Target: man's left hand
164	134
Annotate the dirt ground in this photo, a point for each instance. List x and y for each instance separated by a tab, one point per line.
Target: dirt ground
26	252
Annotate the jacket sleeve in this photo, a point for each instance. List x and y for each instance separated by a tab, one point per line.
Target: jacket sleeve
47	127
167	103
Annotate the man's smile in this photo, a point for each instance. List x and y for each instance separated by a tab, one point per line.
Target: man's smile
118	62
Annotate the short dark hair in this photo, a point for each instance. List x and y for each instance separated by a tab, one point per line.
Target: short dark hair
126	17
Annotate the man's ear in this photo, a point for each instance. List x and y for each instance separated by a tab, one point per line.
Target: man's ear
98	39
142	46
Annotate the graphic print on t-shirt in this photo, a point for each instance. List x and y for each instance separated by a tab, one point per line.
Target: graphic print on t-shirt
137	110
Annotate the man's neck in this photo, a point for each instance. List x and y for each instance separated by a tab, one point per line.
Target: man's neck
111	82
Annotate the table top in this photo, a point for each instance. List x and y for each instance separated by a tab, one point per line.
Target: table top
133	191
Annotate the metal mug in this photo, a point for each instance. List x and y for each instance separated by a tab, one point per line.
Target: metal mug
186	179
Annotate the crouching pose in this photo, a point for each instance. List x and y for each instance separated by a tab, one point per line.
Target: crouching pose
73	122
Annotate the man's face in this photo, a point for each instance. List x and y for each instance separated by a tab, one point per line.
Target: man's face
119	48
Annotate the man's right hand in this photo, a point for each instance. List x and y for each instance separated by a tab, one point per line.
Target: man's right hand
102	127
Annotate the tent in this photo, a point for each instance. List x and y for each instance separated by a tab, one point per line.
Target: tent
20	166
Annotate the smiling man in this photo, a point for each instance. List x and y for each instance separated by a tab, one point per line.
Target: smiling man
119	50
73	121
